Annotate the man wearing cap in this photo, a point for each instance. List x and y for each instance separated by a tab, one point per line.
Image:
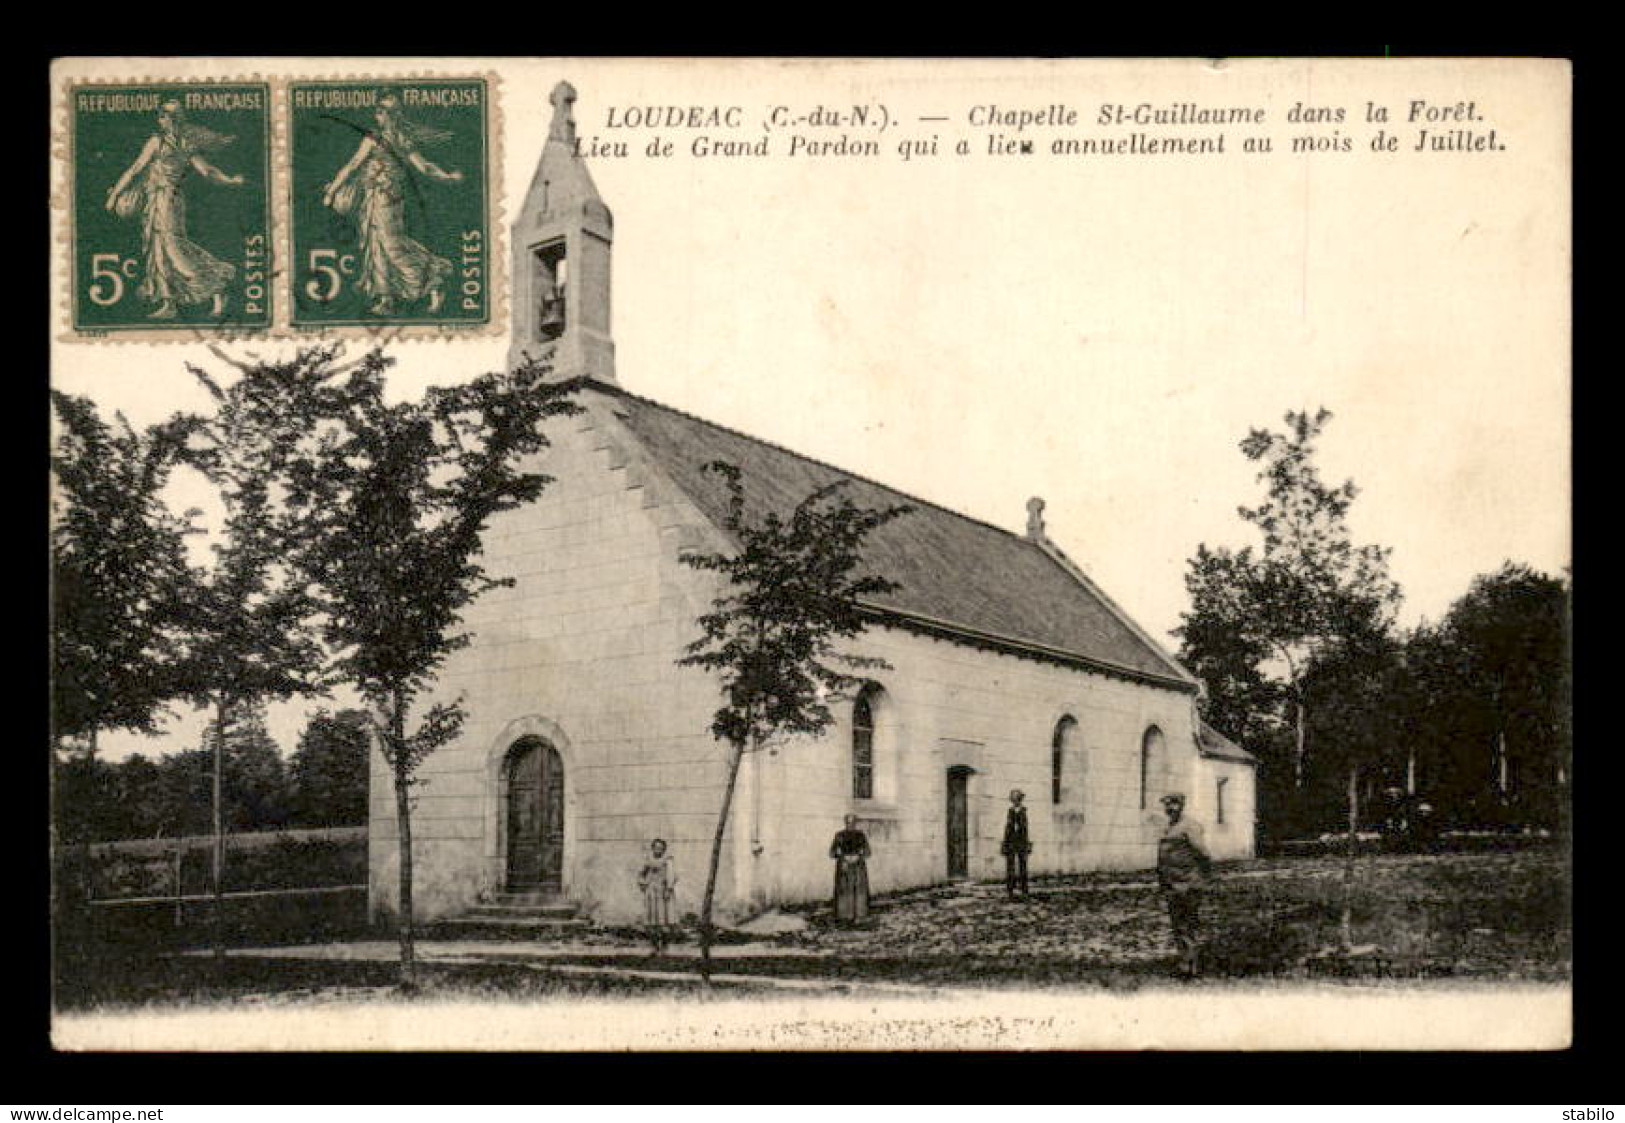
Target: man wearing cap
1184	870
1017	845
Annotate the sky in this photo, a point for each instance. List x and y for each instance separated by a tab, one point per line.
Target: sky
1100	331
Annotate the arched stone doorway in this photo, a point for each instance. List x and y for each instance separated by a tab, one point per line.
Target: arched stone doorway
533	776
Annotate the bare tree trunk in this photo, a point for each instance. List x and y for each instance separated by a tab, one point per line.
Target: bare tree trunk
1301	732
217	864
403	835
736	753
1347	919
1498	751
1501	770
86	875
61	868
72	866
90	861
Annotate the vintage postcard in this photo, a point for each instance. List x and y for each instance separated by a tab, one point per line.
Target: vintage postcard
811	554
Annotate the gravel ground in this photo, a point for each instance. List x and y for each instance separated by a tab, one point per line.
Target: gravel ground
1495	916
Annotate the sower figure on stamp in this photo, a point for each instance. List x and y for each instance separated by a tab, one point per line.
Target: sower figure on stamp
850	850
372	186
1184	872
1017	845
178	270
658	881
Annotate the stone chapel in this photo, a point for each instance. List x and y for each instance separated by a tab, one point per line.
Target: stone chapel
1010	668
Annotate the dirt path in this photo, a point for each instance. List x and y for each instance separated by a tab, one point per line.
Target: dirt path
553	958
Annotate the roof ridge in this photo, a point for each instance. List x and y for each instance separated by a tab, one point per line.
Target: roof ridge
837	469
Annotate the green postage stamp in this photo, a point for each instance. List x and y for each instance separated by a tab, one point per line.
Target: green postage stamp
389	205
171	222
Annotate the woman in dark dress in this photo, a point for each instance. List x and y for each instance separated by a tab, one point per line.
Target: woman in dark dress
850	850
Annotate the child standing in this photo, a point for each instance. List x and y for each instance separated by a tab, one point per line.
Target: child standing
658	880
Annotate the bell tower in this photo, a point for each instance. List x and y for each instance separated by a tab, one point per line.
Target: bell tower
561	257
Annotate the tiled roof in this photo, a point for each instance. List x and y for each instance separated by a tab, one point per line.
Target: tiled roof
955	575
1211	743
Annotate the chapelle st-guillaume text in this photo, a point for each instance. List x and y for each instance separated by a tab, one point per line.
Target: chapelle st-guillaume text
1178	128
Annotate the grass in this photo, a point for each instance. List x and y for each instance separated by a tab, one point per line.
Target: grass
259	860
1499	917
237	841
137	985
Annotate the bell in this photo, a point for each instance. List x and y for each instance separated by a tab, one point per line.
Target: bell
551	324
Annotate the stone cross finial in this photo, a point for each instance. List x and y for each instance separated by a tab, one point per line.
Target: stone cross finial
1035	518
564	122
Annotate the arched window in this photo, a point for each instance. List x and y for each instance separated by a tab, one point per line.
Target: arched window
1152	764
1060	746
863	746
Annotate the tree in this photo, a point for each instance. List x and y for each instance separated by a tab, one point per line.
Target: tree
186	792
119	578
1262	616
1350	689
139	787
249	633
1239	698
329	769
396	498
172	796
1430	710
255	793
1510	632
87	806
793	588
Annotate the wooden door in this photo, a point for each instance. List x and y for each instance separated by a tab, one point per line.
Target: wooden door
535	819
525	819
552	855
958	829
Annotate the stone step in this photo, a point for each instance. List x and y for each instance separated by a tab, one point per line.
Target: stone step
504	927
502	910
530	897
502	921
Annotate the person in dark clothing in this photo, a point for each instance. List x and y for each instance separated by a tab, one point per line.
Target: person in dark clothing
850	850
1017	845
1184	872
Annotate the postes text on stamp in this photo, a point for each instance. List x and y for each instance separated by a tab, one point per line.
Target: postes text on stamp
390	205
171	207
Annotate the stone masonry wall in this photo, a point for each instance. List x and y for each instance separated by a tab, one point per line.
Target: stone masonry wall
581	652
946	705
1236	836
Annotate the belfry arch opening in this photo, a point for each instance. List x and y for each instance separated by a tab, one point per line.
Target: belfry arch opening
551	279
